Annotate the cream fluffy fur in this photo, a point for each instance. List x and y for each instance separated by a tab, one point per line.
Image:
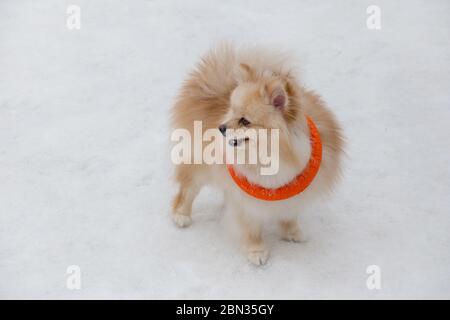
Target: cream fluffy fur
229	84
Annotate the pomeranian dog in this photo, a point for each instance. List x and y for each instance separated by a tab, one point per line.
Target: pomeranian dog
253	88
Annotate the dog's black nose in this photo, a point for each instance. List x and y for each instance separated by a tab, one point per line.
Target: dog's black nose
233	142
223	129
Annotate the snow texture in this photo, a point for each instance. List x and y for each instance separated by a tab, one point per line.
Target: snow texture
84	154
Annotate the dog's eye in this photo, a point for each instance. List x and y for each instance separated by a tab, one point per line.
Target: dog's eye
244	122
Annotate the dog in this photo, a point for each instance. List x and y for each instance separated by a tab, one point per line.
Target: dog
254	88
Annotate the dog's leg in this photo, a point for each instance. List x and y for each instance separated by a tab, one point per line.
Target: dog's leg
253	242
290	230
182	203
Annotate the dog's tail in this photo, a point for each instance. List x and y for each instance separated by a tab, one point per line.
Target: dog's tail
214	74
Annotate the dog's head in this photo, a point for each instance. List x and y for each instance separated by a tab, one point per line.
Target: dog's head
261	100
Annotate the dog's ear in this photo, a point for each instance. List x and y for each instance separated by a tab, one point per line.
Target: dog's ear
244	73
278	97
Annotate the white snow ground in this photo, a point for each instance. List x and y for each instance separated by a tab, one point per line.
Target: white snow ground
84	169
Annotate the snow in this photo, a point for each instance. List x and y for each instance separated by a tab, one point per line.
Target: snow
84	154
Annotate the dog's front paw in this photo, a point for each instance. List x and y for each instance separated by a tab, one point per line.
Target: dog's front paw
290	231
181	220
259	257
293	236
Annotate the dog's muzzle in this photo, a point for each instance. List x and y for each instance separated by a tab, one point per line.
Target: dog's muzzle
237	141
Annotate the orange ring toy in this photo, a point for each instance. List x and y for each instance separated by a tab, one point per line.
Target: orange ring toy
297	185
